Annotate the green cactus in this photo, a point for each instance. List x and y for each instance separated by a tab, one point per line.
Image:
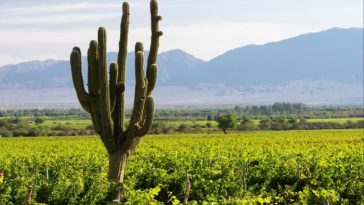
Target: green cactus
105	97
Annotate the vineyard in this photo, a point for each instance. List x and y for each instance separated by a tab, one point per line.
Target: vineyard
260	167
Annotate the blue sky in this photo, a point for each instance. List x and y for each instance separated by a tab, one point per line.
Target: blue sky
43	29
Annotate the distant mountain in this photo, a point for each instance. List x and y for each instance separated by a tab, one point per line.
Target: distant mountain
317	67
334	55
35	74
176	66
56	73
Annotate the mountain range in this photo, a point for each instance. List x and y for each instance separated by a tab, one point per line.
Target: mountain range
317	67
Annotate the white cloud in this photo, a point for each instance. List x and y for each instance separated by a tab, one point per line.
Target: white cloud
43	31
31	44
49	9
209	40
60	18
54	15
203	40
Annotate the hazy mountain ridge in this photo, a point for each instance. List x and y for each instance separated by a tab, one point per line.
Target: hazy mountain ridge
35	74
317	67
334	55
56	73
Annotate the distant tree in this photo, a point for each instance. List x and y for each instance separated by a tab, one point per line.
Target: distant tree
4	123
238	109
5	132
349	124
209	125
255	110
280	123
14	120
35	131
20	132
292	120
209	117
217	116
227	121
38	120
168	130
182	128
264	124
156	128
246	124
360	124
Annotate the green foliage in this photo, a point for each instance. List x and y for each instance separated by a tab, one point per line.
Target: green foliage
193	119
279	123
46	112
280	167
227	121
265	124
75	126
143	197
247	124
4	132
38	120
182	128
320	196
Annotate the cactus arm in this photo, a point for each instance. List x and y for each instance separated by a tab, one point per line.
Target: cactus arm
106	121
120	88
93	70
152	58
153	52
152	78
123	43
152	68
77	49
140	89
139	70
113	85
119	111
148	116
94	85
89	85
84	98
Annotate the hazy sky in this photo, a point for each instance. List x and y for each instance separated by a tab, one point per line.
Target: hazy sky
43	29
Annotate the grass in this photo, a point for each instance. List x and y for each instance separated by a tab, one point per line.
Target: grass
337	120
275	162
82	123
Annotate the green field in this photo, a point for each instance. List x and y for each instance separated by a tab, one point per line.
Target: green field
256	122
73	123
83	123
337	120
262	167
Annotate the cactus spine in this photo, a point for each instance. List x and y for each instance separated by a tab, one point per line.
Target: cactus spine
105	97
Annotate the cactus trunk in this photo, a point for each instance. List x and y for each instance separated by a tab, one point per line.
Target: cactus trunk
117	163
105	99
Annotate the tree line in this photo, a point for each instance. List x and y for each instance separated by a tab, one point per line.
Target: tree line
17	127
286	109
229	121
276	116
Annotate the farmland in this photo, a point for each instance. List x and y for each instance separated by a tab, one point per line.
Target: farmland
257	167
75	122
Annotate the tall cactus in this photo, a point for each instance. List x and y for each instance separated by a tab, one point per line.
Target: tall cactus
105	97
